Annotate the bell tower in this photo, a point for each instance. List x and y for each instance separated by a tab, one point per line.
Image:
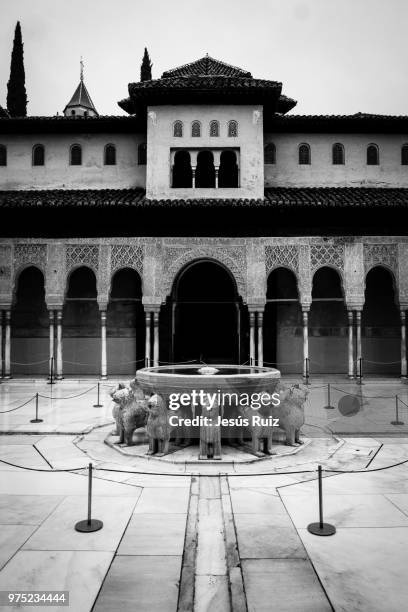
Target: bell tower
81	103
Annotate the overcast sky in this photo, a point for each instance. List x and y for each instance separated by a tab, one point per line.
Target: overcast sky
332	56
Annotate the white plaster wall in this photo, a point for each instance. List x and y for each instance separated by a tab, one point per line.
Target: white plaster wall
322	173
57	172
160	140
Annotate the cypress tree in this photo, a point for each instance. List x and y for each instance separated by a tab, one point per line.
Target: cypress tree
146	67
16	91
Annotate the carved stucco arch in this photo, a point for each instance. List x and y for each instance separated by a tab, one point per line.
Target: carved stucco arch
339	271
68	273
232	264
132	267
17	273
285	267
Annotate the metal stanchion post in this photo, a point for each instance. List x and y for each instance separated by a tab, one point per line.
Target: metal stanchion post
321	528
36	420
98	404
329	406
360	375
397	421
89	524
307	371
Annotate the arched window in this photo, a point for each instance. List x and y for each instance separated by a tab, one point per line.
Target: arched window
373	158
196	129
228	172
178	129
110	155
214	128
38	155
304	155
270	153
3	155
72	112
85	113
75	156
404	155
233	128
182	172
142	154
338	154
205	171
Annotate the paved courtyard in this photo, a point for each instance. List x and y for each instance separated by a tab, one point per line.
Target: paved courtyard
180	536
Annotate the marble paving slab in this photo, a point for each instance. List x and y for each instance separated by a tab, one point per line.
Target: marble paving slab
140	584
79	572
259	538
163	501
12	537
345	510
259	501
57	531
210	558
211	593
27	509
283	585
149	534
362	569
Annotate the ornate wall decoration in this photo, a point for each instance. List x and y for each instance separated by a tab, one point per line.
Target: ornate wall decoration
30	254
127	256
381	254
282	255
326	255
233	258
82	255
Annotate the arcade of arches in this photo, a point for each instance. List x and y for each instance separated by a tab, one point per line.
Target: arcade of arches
205	319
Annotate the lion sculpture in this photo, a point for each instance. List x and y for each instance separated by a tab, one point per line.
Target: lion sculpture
130	410
158	427
291	412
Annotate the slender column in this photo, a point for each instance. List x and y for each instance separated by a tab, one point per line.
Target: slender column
1	344
358	338
251	338
156	339
305	318
193	172
260	339
403	345
59	345
104	369
350	316
217	169
7	346
51	333
238	331
147	345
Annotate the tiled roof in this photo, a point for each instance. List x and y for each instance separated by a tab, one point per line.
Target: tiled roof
82	98
70	123
357	123
205	66
275	197
196	81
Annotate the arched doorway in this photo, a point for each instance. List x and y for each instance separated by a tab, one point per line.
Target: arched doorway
283	346
81	324
381	333
205	171
205	315
125	323
228	173
328	324
30	325
182	172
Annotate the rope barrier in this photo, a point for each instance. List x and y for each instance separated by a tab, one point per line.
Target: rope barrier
29	362
17	407
67	398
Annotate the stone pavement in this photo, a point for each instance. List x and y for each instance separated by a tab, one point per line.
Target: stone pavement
186	542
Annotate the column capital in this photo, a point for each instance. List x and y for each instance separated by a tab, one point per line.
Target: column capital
305	306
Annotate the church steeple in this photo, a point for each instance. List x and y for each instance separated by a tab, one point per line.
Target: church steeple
81	103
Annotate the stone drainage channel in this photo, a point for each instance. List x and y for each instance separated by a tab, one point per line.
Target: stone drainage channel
216	576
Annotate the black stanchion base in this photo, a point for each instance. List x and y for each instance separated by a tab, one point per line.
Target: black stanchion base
328	407
397	422
98	405
88	526
321	530
36	421
51	382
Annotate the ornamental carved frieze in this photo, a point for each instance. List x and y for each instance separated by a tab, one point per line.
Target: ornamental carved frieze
82	255
282	255
5	263
326	255
127	256
30	255
233	258
381	255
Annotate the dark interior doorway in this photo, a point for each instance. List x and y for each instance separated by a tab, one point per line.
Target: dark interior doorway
205	172
205	315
